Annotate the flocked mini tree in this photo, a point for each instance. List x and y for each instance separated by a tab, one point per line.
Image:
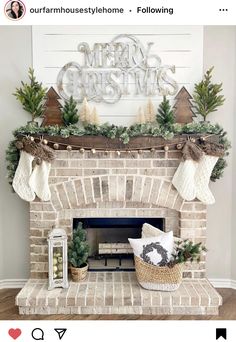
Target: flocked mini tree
150	112
78	249
85	112
31	96
94	119
141	118
206	95
165	115
70	112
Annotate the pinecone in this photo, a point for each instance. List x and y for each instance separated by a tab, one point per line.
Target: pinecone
171	264
19	145
187	255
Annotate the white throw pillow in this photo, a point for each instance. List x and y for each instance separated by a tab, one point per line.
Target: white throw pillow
150	231
154	250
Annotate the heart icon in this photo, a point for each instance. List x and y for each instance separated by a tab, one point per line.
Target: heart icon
14	333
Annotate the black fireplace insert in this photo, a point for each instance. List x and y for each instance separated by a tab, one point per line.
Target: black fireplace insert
108	240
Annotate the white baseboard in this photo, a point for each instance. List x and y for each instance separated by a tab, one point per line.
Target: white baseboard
224	283
12	283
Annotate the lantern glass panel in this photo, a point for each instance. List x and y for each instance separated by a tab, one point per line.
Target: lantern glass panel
58	262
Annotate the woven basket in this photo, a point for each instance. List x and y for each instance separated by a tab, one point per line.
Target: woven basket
78	274
153	277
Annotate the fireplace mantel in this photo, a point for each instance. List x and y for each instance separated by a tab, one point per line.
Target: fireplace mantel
135	143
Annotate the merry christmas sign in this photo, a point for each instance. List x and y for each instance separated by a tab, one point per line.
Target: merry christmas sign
122	67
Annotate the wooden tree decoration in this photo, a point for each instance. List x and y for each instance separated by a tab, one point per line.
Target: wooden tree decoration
183	112
52	114
85	112
141	119
150	112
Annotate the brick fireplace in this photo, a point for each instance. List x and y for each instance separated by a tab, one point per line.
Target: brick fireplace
132	184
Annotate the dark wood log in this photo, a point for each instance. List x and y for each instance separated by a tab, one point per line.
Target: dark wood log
135	143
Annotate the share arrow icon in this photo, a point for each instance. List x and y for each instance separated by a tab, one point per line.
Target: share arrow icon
61	332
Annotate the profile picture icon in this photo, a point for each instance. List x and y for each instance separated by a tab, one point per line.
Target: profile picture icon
15	10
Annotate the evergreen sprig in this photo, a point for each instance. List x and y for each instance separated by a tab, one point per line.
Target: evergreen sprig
185	251
165	116
31	96
78	249
206	95
70	112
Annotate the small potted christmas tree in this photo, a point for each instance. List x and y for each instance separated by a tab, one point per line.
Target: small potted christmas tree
206	96
78	252
31	97
70	112
165	116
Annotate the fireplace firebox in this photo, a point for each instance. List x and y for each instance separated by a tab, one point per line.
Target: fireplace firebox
108	240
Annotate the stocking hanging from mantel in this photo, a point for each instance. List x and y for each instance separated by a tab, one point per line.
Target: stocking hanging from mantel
31	177
192	177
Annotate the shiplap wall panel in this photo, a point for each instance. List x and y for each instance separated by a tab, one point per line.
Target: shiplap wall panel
182	46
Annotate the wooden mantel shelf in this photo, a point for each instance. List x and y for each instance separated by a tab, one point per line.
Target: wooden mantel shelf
135	143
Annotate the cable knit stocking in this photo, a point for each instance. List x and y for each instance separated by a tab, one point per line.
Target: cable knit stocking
21	179
39	180
183	179
202	177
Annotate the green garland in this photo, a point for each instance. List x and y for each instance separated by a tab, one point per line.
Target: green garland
124	134
12	159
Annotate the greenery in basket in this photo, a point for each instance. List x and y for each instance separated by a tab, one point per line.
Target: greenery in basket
78	249
185	251
206	96
31	96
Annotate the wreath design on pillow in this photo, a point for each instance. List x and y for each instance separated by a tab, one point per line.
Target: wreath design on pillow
160	250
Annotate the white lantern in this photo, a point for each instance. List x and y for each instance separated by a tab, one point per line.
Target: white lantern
57	259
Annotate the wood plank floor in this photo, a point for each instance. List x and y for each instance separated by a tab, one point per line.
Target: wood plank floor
8	310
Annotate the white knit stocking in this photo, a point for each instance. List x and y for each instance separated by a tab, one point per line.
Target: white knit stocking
21	179
39	180
202	178
183	179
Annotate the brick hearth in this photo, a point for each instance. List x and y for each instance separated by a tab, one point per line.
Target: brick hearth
110	185
118	293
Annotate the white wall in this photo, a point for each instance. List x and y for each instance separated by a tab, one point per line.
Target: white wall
219	50
1	244
1	240
233	237
15	58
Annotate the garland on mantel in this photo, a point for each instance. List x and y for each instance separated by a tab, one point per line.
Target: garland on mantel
124	134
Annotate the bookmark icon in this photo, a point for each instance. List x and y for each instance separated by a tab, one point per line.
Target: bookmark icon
221	332
60	332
